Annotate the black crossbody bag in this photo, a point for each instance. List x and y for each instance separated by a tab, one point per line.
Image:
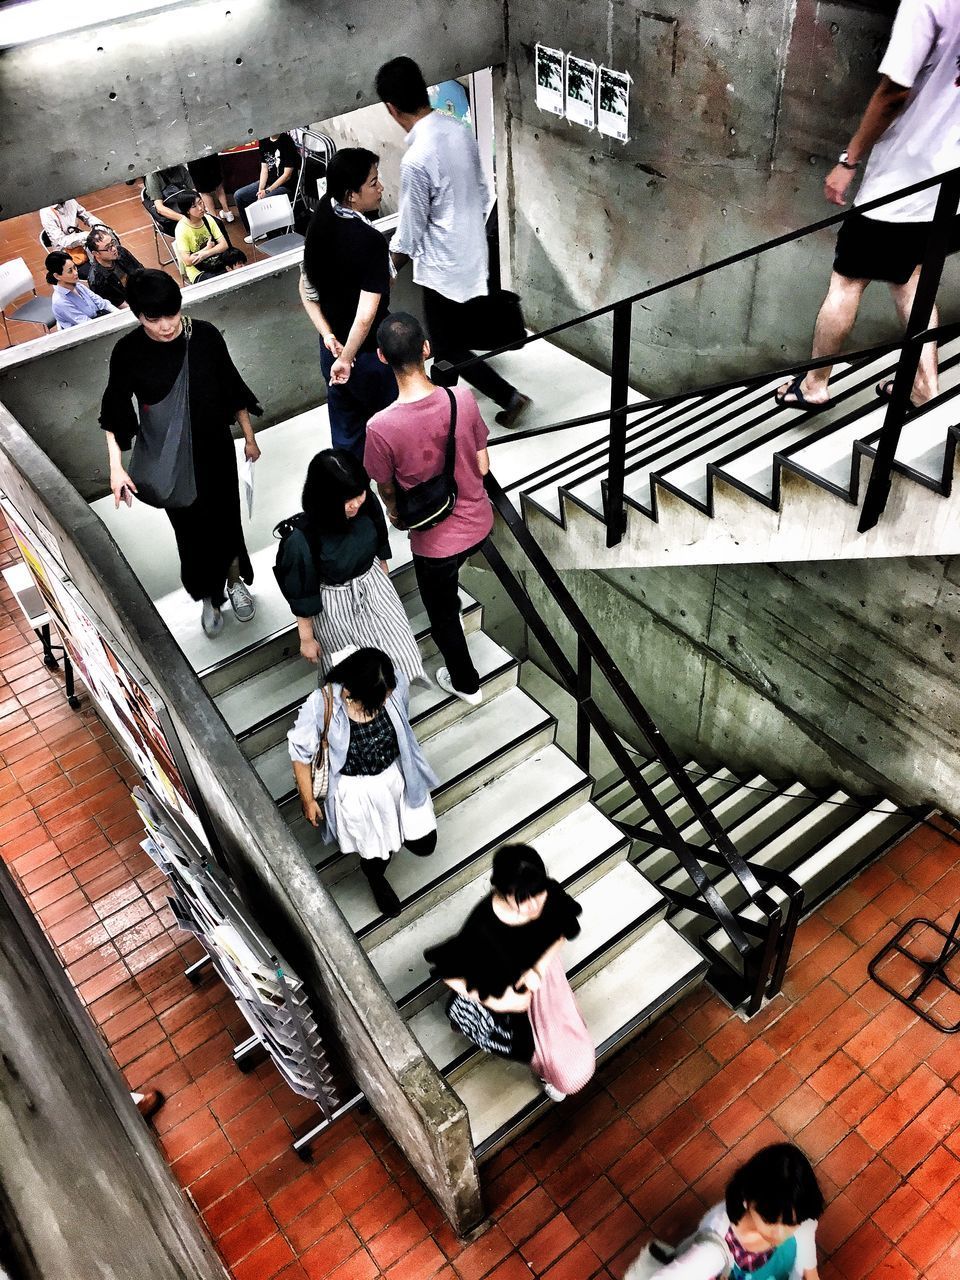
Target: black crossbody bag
426	504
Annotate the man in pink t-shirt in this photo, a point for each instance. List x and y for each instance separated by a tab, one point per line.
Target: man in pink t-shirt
406	444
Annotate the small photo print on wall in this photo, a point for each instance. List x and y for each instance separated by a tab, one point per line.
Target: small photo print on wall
581	91
550	79
613	109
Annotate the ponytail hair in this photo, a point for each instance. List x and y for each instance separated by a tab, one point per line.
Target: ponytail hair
347	171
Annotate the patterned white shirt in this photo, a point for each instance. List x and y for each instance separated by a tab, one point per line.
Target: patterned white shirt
443	206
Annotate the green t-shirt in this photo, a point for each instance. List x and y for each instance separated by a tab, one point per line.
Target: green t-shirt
188	239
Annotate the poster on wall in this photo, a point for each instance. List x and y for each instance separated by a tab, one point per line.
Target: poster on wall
550	79
581	91
133	710
613	107
450	99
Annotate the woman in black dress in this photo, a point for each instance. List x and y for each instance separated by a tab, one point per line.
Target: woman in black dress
145	366
511	995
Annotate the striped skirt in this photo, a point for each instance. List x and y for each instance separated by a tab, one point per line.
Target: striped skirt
366	611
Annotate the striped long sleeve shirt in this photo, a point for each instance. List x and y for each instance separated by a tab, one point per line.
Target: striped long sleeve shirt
443	206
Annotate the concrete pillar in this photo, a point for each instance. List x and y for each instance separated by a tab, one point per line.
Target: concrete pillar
87	1191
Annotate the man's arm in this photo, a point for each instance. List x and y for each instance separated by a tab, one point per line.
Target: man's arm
262	182
282	181
483	461
388	496
886	103
166	211
415	200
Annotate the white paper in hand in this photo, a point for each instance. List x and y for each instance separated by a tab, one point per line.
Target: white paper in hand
246	479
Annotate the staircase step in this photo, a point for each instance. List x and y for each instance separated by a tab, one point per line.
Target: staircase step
827	867
617	1003
519	804
711	788
922	451
285	679
464	754
576	850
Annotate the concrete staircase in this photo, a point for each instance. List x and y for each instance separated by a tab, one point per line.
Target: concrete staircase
733	477
502	776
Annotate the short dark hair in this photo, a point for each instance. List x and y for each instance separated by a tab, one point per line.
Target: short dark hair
400	82
400	337
54	263
779	1183
370	676
518	872
153	294
184	200
334	476
101	232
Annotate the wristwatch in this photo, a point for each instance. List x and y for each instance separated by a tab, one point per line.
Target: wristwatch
844	159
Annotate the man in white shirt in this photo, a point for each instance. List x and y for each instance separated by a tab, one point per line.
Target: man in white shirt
442	227
61	222
912	124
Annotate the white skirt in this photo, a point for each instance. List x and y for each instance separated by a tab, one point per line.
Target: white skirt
373	817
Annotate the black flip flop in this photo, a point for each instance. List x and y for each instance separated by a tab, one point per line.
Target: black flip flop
884	391
800	402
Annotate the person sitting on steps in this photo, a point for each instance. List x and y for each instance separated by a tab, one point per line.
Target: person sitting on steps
378	790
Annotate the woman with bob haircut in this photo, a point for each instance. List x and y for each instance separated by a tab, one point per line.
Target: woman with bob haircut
73	301
505	968
179	373
378	792
332	568
345	290
765	1229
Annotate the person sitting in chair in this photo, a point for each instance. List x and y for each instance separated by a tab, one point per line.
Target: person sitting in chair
200	243
112	265
159	189
279	162
73	302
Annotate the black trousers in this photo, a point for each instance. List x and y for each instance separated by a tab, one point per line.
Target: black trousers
445	327
438	579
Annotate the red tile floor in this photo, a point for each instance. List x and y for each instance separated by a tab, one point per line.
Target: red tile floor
836	1065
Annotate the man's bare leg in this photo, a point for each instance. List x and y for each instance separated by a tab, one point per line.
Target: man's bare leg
834	323
926	384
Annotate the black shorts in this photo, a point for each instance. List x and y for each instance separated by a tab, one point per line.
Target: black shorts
868	249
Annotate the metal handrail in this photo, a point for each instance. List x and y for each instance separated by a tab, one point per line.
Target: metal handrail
898	407
577	679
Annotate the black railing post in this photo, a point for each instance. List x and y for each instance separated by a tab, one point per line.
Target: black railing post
619	395
941	228
584	680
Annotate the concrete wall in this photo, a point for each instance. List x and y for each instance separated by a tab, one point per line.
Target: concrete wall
737	111
273	875
81	1174
137	94
270	338
833	673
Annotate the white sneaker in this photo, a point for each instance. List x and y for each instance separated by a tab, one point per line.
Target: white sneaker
444	681
241	601
211	619
226	215
553	1094
248	239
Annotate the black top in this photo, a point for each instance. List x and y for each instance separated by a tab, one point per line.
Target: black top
111	282
341	557
355	259
278	154
373	746
143	368
490	956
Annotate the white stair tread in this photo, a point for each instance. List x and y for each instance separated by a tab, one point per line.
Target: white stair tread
293	679
923	440
829	864
492	727
495	1090
565	847
485	817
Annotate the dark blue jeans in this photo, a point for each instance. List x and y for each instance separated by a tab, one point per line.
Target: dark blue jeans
370	388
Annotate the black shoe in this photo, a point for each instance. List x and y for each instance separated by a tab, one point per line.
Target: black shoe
514	411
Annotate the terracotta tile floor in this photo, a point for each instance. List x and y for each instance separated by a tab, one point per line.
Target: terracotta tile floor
838	1066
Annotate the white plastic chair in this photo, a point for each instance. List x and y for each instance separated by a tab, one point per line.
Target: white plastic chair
268	215
16	280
